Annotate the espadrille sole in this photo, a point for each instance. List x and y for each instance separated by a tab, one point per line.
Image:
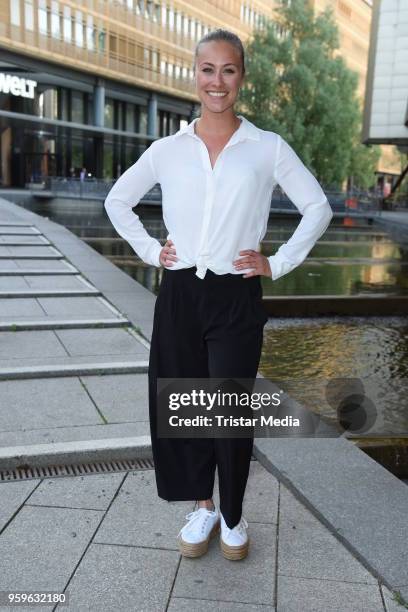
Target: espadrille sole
196	550
234	553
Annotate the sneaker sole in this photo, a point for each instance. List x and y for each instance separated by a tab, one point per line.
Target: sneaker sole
234	553
197	550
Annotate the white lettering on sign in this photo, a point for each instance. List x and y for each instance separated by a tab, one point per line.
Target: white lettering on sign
17	86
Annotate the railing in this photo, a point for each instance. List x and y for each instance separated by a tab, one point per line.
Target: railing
88	188
341	201
93	188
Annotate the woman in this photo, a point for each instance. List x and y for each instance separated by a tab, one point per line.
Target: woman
217	176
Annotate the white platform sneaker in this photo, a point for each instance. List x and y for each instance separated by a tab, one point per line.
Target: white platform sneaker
195	536
234	542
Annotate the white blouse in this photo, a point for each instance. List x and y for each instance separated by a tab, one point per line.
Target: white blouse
213	213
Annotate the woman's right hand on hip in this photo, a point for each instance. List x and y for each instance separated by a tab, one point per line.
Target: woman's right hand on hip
168	254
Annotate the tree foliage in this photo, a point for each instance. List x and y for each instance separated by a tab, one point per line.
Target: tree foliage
297	86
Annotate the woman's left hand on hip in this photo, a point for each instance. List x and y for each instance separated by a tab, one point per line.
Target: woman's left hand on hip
255	260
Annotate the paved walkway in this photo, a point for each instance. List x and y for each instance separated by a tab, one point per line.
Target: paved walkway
67	315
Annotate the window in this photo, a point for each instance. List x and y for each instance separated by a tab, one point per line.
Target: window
63	103
170	18
79	34
142	120
42	16
101	40
155	60
55	20
178	21
77	107
149	9
46	104
130	117
15	12
67	24
90	34
29	15
109	113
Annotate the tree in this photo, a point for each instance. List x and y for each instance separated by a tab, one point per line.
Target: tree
295	85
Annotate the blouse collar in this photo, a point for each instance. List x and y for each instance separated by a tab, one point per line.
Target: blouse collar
245	130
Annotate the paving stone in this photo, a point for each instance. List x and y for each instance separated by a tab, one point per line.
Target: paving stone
116	280
87	262
70	307
101	431
29	344
138	517
13	283
8	264
26	239
107	341
120	397
39	264
92	491
123	578
13	495
59	282
40	548
20	307
307	549
35	403
28	231
251	580
17	251
296	594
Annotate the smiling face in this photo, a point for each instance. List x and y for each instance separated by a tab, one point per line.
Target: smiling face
218	75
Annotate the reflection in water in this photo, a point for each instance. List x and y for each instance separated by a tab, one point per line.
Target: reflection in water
307	353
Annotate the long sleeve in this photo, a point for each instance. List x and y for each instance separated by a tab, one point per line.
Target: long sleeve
304	191
124	195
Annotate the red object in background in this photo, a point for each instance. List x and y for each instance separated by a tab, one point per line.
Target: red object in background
349	222
351	203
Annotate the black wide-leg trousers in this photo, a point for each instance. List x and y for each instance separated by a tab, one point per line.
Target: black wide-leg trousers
204	328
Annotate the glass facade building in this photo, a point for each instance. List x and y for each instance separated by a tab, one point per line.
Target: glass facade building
91	84
54	124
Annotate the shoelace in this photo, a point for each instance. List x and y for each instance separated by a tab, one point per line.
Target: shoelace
240	527
194	516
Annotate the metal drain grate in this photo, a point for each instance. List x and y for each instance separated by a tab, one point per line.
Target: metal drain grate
80	469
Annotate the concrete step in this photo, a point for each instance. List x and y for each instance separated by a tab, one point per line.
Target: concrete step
62	324
49	293
78	451
80	369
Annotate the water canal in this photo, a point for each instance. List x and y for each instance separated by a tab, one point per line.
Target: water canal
353	258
